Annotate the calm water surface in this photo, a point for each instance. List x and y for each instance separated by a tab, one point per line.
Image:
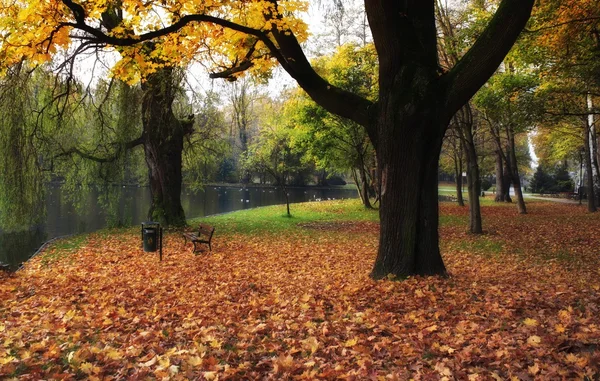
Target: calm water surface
62	218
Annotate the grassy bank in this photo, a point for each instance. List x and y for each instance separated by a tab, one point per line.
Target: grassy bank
288	298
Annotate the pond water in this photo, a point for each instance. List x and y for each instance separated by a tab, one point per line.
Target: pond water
62	218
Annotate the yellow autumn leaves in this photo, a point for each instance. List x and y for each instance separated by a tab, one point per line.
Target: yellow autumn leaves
36	30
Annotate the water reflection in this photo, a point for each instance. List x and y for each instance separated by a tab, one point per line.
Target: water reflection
16	247
131	207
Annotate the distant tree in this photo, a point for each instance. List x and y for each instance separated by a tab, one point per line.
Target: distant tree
507	102
334	143
558	181
542	181
455	31
273	151
452	161
562	179
242	96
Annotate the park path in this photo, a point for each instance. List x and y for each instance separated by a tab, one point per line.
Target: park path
553	199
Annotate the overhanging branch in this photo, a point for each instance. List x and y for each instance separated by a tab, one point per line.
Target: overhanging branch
289	54
484	57
108	159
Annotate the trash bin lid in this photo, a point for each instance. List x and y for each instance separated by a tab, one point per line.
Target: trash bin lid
150	223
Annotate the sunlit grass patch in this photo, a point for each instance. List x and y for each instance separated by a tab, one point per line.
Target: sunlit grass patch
273	219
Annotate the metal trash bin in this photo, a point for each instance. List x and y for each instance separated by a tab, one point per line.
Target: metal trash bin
152	237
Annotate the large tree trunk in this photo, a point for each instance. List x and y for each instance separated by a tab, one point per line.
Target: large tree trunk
163	137
514	171
408	213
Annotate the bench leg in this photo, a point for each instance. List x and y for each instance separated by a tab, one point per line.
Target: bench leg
209	246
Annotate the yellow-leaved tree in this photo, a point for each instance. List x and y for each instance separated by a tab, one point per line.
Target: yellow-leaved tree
416	98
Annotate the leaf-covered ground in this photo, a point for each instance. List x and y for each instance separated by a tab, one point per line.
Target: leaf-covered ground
286	298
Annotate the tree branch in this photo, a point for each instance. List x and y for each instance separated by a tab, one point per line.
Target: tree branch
108	159
289	55
331	98
572	21
484	57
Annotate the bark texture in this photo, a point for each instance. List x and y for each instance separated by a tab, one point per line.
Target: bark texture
163	136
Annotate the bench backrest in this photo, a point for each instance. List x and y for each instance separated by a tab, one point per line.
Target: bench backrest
206	229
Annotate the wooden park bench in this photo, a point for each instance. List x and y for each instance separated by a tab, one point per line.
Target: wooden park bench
204	235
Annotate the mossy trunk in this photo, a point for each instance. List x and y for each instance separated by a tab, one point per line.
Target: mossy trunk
163	137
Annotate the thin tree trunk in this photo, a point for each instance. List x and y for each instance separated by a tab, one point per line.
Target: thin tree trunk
506	179
499	177
594	155
357	183
591	199
365	187
458	169
580	185
474	187
514	172
287	198
502	168
466	126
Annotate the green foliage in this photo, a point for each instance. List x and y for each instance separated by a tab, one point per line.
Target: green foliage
564	182
335	144
558	142
274	151
486	184
544	182
509	100
207	153
93	150
21	177
541	182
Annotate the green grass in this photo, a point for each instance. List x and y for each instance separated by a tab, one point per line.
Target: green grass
62	248
273	219
447	190
481	244
453	220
